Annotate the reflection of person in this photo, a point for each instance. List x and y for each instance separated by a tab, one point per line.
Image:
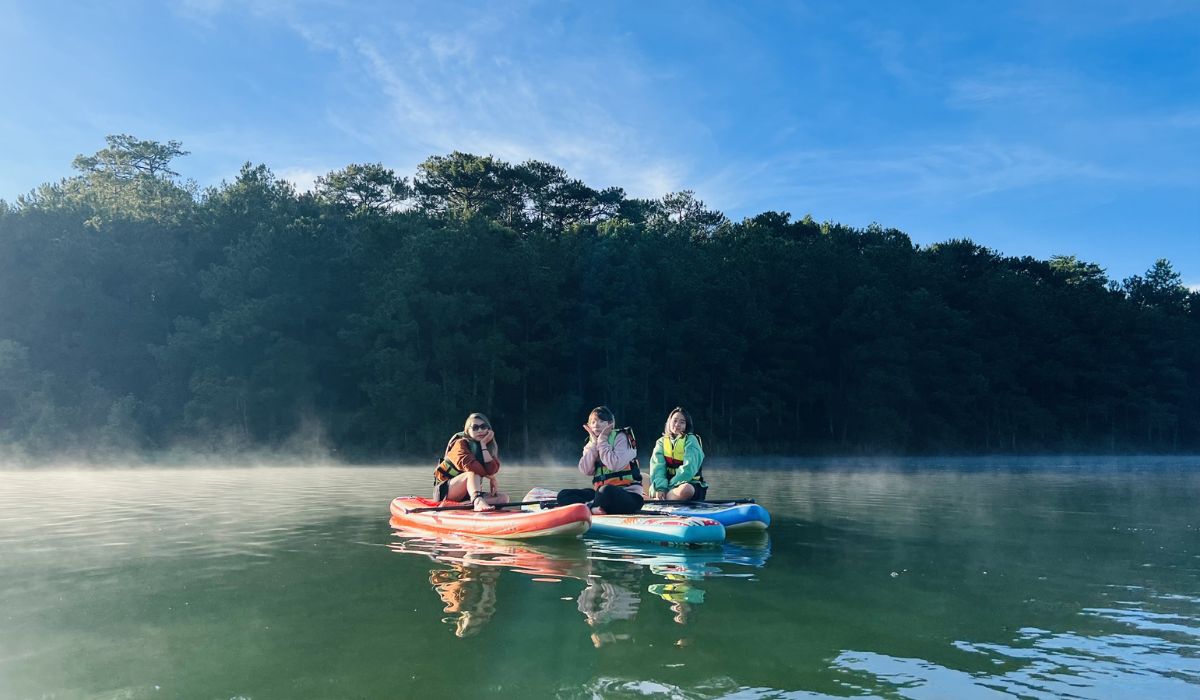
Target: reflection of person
470	593
675	465
604	601
610	458
470	457
610	595
681	595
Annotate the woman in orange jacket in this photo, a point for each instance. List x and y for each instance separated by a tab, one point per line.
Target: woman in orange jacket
470	457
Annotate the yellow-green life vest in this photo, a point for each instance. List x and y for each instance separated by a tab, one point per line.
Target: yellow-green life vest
673	449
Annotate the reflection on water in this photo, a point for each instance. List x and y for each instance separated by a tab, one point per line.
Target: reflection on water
468	587
611	597
945	580
681	596
612	574
469	593
1040	663
683	568
544	561
1124	663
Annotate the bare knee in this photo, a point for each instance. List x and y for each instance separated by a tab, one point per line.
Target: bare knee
683	492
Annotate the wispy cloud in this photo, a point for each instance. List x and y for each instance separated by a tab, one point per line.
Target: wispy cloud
483	83
928	174
973	170
200	11
442	98
290	13
1015	118
1009	84
891	48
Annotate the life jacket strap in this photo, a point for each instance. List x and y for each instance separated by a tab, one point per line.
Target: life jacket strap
446	470
622	478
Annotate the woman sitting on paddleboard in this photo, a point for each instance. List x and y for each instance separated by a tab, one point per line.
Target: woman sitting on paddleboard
471	456
610	458
675	464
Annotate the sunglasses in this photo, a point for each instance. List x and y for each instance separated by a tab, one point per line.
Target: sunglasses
481	426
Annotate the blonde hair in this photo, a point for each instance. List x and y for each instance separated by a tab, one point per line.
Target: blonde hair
467	429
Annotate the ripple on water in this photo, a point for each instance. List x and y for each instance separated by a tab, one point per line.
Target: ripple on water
1050	541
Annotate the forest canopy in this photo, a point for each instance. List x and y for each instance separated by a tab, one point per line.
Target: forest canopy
373	313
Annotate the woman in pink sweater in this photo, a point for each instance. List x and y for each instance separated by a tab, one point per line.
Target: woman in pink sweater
610	458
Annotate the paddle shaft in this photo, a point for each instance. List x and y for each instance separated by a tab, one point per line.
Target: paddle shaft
729	502
470	506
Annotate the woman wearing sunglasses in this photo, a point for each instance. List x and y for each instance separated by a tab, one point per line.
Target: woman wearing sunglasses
610	458
470	457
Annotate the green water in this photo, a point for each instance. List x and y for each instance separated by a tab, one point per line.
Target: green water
1032	579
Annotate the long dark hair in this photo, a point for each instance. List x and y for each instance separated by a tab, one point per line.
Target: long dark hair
687	418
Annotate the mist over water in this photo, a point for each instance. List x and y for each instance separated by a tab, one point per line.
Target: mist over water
1036	578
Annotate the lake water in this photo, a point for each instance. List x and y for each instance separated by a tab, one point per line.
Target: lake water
913	579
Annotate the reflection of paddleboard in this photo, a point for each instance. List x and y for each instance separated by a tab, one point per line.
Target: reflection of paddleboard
503	523
673	529
730	560
735	517
564	558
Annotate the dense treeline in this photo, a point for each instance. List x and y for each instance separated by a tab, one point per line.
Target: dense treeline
373	313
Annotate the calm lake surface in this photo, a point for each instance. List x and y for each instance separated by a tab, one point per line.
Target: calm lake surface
915	579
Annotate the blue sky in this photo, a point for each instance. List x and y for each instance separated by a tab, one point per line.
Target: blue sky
1034	128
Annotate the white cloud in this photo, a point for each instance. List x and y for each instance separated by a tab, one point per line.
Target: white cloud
303	179
406	104
491	87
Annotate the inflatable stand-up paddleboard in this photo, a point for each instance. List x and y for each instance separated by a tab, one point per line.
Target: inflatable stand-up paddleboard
503	523
734	516
645	527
